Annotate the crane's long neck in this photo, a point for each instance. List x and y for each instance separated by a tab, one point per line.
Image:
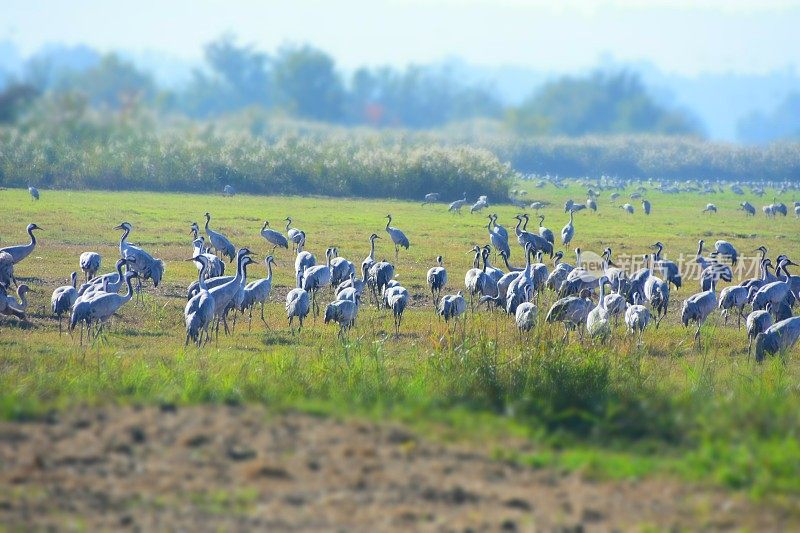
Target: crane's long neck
525	226
364	268
23	299
194	232
372	249
288	223
33	238
388	221
659	249
208	219
123	241
201	282
505	260
269	270
129	294
485	262
74	280
602	300
571	216
519	223
119	270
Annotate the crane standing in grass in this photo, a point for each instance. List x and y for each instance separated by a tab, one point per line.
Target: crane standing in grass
437	280
398	237
64	298
221	244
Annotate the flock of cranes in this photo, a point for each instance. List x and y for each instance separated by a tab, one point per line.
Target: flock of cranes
591	301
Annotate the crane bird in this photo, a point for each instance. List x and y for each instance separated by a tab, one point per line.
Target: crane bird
646	206
697	308
497	228
525	316
396	299
455	207
776	292
199	310
297	305
293	234
430	198
303	260
344	313
139	261
225	293
275	238
341	268
591	203
726	250
637	317
379	279
481	204
597	321
668	269
317	277
398	237
711	269
571	312
546	233
748	208
779	337
568	231
216	266
437	280
64	298
733	297
452	306
90	264
497	239
228	190
628	208
559	273
757	322
525	237
107	282
353	283
21	251
6	269
34	192
10	306
105	304
221	244
710	208
257	292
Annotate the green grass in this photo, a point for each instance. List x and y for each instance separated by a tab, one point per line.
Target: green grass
620	410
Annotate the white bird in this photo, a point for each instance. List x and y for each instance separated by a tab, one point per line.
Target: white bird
456	206
710	208
343	312
64	298
293	234
437	279
257	292
396	299
303	260
779	337
628	208
297	305
275	238
757	322
21	251
452	306
398	237
733	297
6	269
10	307
481	204
90	264
221	244
199	310
597	321
637	316
568	231
34	192
525	316
698	307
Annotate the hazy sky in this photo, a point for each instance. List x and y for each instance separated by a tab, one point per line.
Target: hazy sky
680	36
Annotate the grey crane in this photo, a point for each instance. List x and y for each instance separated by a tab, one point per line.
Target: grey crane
398	237
491	271
348	293
34	192
783	275
480	204
546	233
668	269
341	268
725	249
105	304
294	235
396	299
344	313
225	293
303	260
614	196
380	275
455	207
477	281
499	242
139	261
525	316
257	292
353	283
637	317
64	298
646	206
497	228
317	277
775	292
568	231
112	282
733	297
219	242
560	272
748	208
21	251
591	203
628	208
779	337
711	269
571	311
199	310
430	198
617	277
710	208
598	324
228	190
698	307
11	307
297	305
569	205
370	259
525	237
757	322
769	210
90	264
6	268
216	266
275	238
452	306
437	280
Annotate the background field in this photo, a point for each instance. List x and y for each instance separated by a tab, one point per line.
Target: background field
618	410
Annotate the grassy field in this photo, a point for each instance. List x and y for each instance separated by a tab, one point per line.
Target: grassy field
710	415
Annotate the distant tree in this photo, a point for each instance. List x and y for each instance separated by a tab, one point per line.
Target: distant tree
782	123
308	84
14	99
599	104
113	83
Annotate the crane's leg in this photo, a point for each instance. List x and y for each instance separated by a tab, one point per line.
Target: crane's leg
290	325
741	316
250	322
59	324
185	344
262	317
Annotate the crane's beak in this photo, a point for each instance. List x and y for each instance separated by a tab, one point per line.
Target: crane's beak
118	227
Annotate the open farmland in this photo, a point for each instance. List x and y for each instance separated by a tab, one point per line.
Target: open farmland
709	417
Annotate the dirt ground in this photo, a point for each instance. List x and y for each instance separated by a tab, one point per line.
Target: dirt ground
236	468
